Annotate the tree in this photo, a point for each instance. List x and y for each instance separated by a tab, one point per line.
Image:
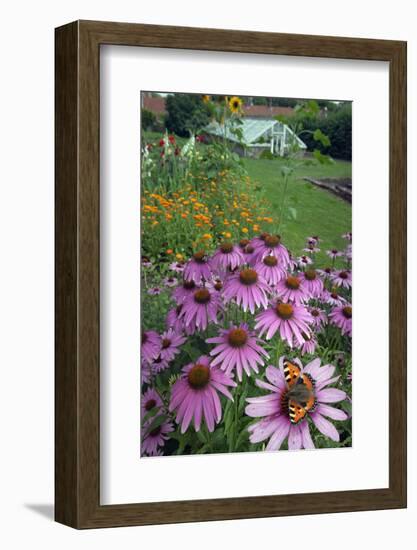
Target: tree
186	114
148	120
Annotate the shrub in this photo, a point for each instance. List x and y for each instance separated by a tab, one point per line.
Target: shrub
186	114
148	120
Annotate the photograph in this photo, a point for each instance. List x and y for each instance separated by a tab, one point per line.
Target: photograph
246	273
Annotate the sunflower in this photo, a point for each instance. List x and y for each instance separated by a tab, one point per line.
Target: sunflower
235	104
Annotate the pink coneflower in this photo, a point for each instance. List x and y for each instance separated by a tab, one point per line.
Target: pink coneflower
333	254
226	256
312	282
146	262
197	268
195	395
319	317
309	345
145	373
341	316
311	248
170	281
291	320
342	278
304	261
159	364
178	267
150	345
270	269
155	438
332	297
325	272
185	289
293	289
249	254
201	307
149	400
271	245
170	343
297	396
348	253
176	322
247	288
155	291
314	239
238	349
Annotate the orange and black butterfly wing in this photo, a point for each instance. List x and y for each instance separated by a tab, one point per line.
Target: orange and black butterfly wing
295	411
291	373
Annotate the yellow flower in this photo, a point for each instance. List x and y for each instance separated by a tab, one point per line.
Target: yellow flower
235	104
207	236
245	230
179	256
227	235
205	98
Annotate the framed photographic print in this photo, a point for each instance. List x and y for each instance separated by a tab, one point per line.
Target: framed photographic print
230	274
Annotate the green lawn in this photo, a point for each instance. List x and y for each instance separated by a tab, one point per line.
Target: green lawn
316	211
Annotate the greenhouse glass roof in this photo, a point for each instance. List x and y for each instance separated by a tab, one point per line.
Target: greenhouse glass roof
252	130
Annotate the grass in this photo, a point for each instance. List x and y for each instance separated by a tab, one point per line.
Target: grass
308	210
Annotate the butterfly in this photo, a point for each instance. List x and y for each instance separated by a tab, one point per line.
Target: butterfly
300	393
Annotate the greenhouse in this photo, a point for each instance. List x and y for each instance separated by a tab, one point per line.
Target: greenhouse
254	136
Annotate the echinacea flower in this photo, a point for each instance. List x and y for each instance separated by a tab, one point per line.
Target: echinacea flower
291	320
247	288
319	317
155	438
149	400
312	282
201	307
170	343
304	261
332	297
170	281
159	364
311	395
342	278
195	394
145	372
310	344
146	262
150	345
237	348
197	268
270	269
293	288
227	256
334	253
176	322
185	289
341	316
311	248
325	272
178	267
155	291
271	245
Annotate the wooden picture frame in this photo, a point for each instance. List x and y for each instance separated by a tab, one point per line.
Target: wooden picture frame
77	409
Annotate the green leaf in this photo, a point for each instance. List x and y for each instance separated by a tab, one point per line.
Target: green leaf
158	421
293	212
322	138
323	159
150	414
